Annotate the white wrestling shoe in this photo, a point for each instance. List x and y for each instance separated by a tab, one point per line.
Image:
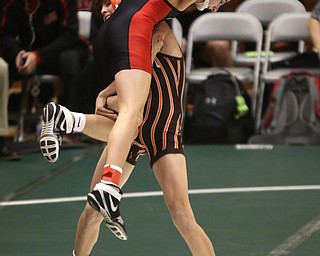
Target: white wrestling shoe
56	121
105	198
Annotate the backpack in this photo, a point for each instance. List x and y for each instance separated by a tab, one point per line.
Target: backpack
221	112
293	113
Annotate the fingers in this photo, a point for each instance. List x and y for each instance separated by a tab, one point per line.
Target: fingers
26	62
107	113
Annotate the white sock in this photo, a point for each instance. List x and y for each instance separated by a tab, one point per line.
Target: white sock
73	253
79	121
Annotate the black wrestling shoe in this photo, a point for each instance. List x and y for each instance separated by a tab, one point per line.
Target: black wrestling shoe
105	198
56	121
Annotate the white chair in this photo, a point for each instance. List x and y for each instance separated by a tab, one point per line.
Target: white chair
177	29
225	26
266	11
84	23
290	27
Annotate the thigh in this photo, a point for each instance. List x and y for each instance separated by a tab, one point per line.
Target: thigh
132	90
171	173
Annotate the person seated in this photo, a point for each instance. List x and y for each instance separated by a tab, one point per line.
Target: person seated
215	53
4	127
48	42
314	27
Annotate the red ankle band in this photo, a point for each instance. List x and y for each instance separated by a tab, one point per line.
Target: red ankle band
111	174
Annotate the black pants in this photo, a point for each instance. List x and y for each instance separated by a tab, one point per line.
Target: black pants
68	67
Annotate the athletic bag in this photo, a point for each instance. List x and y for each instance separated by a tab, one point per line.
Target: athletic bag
293	112
221	112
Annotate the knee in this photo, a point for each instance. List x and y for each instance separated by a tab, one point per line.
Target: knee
134	117
182	216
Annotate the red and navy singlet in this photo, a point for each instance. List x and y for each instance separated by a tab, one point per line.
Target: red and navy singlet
124	40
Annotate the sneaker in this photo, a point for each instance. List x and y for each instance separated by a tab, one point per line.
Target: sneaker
105	198
56	121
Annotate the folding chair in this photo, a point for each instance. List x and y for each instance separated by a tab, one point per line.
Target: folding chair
177	29
225	26
84	23
266	11
288	27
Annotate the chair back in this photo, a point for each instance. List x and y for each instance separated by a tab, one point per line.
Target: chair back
225	26
268	10
288	27
84	23
177	30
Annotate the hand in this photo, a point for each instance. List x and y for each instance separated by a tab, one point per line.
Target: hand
26	62
107	113
103	109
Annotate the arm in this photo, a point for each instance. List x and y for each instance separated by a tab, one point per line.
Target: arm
314	29
14	23
68	34
103	102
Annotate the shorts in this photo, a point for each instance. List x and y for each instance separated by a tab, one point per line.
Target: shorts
160	131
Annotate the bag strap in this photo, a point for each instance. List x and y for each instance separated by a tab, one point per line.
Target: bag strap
233	79
314	87
277	100
241	105
317	95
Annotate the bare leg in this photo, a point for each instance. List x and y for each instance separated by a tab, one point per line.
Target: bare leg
132	97
171	173
90	220
98	127
131	100
4	95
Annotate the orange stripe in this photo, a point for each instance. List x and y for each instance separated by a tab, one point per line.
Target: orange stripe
146	115
178	126
169	119
156	120
182	90
180	82
177	84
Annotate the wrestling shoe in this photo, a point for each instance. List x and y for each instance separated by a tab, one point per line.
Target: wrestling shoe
56	121
105	198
